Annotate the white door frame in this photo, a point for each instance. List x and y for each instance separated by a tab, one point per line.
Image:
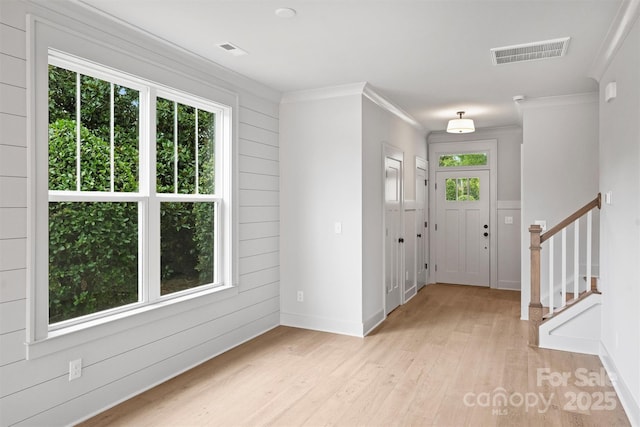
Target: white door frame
396	153
490	146
424	165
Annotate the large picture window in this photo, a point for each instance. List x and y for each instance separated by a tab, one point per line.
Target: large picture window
133	192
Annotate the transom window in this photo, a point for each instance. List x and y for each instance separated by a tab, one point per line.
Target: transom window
463	159
134	206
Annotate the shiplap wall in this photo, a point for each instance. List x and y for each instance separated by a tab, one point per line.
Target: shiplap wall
38	392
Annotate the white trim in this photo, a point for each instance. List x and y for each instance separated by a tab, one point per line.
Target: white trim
484	145
551	335
509	285
561	100
395	153
324	324
323	93
373	322
622	24
509	205
386	104
361	88
629	403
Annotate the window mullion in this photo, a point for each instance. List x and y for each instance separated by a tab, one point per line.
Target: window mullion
152	231
197	159
112	140
175	147
78	136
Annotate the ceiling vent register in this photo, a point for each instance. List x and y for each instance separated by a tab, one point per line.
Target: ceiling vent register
230	48
530	51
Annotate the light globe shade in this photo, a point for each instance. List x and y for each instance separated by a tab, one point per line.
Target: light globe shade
460	126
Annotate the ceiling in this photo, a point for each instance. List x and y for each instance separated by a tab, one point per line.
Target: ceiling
431	58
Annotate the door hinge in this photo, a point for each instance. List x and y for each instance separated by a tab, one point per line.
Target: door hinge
436	185
436	227
426	182
436	267
426	224
426	266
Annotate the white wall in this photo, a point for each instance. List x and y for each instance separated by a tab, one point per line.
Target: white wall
559	165
320	166
37	391
380	127
331	167
509	144
620	221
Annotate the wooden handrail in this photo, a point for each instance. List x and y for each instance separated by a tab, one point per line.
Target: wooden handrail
535	305
571	218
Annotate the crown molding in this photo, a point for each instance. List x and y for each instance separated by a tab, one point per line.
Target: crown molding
362	89
555	101
323	93
624	21
386	104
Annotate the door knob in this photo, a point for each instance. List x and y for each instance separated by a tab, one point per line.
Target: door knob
486	226
401	240
486	234
420	235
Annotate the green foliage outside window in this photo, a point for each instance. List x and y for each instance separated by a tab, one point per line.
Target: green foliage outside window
470	159
93	246
462	189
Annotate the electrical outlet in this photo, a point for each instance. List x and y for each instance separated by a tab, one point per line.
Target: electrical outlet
75	369
508	220
300	296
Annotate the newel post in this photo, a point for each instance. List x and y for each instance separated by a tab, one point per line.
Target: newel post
535	307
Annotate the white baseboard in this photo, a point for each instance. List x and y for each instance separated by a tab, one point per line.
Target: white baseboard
630	405
510	285
323	324
371	323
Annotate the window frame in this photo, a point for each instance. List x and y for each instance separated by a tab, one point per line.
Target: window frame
128	68
487	153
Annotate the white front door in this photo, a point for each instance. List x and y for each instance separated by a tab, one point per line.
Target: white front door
394	270
422	235
462	227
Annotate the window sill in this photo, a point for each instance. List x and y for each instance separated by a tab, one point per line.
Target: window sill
80	334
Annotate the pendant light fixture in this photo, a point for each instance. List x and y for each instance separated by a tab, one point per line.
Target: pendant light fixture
460	125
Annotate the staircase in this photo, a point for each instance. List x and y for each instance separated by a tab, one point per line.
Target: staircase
564	311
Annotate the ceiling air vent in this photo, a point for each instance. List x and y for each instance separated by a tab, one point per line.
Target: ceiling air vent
530	51
231	48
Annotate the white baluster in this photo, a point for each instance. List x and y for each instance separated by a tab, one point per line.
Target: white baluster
563	302
551	275
576	259
588	285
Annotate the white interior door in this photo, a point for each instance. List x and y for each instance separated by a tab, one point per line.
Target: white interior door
410	254
462	227
394	270
422	231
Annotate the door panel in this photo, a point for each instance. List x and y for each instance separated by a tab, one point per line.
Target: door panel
410	254
462	204
421	231
394	270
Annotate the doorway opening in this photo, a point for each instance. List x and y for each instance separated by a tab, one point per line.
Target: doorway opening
463	218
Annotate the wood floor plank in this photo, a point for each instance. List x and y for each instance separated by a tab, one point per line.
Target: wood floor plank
454	355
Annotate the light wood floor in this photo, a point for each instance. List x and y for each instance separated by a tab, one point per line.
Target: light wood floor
442	359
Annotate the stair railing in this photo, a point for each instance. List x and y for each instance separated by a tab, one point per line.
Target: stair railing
536	310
